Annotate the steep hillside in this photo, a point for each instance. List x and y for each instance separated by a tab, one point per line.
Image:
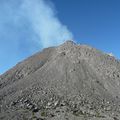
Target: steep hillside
68	82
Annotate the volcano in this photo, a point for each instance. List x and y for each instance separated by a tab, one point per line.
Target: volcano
67	82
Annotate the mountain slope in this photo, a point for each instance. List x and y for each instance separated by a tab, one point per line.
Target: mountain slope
71	81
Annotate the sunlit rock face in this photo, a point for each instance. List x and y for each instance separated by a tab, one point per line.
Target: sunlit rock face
67	82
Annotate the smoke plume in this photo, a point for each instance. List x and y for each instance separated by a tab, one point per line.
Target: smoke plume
26	26
42	17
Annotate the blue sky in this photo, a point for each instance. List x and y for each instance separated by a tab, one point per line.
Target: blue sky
93	22
27	26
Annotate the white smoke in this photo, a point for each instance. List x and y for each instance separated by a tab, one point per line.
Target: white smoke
27	26
45	23
110	54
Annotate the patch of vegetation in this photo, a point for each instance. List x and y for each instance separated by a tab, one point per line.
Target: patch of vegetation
99	115
44	113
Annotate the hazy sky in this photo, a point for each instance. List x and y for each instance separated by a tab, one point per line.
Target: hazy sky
27	26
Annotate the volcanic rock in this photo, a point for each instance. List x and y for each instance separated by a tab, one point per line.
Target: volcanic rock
67	82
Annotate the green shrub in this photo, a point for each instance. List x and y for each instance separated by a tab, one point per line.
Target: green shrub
44	114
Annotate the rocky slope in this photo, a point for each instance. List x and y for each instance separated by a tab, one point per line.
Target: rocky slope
68	82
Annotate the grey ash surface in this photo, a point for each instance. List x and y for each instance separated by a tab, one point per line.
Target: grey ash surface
68	82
